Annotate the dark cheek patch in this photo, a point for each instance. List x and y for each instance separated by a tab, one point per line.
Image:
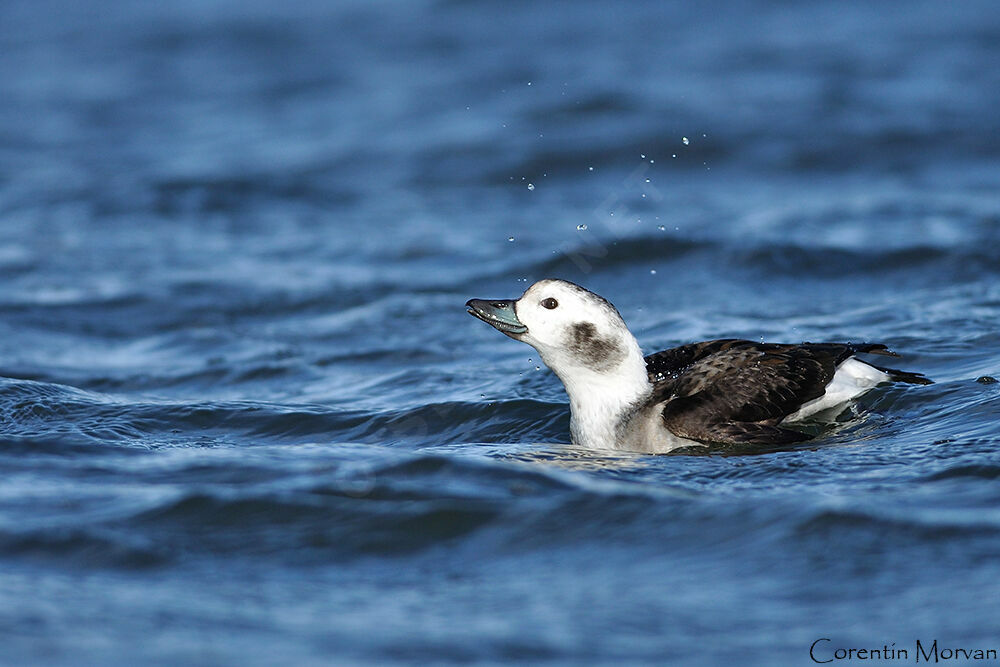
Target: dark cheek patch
595	351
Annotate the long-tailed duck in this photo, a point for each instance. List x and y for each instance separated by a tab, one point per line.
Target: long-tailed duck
729	391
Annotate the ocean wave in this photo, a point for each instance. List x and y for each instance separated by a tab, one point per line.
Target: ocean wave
81	547
973	471
886	528
765	257
331	509
46	413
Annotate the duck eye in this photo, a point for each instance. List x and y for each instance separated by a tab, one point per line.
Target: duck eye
549	303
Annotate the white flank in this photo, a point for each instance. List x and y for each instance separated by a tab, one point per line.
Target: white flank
852	378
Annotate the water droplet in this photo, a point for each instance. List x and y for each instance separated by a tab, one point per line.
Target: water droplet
510	238
531	186
581	227
685	141
647	180
662	228
642	155
653	271
590	169
674	155
538	368
482	396
529	83
652	162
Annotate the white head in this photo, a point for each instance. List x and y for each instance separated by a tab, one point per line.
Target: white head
582	338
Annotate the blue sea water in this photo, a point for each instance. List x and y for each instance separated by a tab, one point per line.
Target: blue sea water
245	419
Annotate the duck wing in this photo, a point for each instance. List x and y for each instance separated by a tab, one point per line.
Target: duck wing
734	391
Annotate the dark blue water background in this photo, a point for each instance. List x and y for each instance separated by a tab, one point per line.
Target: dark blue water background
245	419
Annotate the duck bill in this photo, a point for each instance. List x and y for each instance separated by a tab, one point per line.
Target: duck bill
498	313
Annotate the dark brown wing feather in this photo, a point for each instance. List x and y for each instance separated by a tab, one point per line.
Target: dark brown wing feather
737	391
695	418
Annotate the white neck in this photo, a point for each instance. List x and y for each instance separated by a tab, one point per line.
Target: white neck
602	404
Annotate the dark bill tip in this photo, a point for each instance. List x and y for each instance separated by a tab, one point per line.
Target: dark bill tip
498	313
